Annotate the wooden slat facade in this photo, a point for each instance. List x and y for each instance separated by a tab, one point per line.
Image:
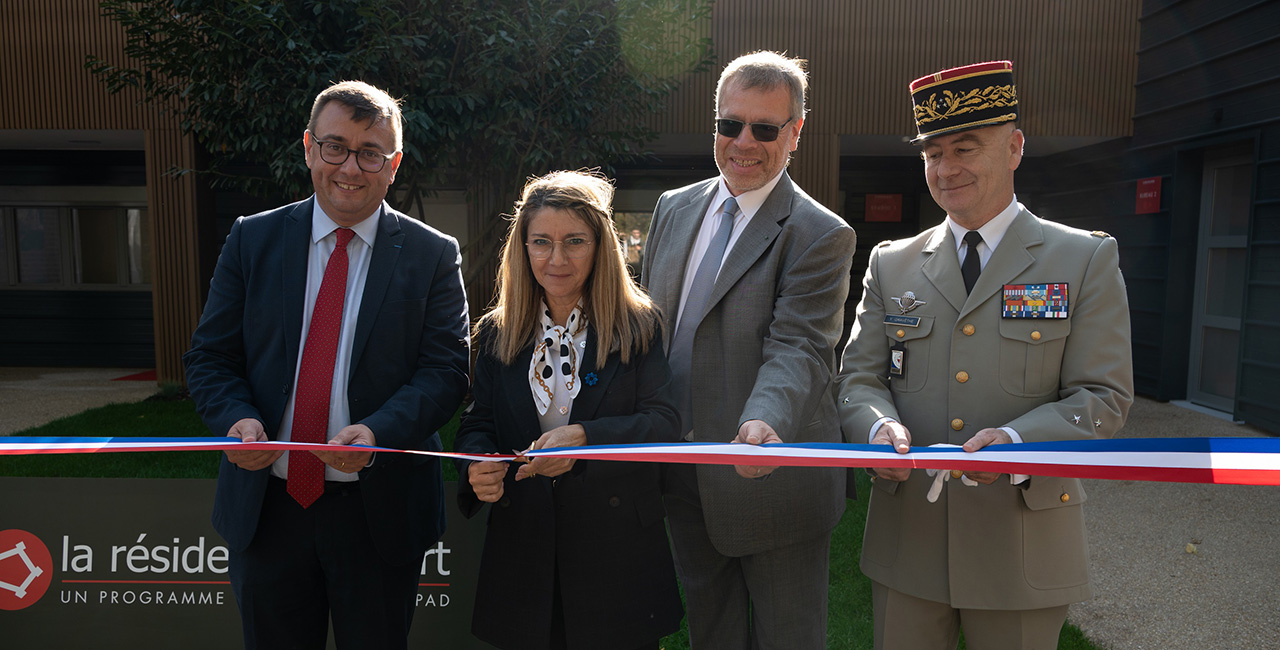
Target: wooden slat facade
1074	63
47	87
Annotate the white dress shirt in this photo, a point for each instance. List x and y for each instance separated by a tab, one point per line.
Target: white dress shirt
323	240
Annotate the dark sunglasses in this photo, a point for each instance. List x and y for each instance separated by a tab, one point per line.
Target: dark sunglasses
760	131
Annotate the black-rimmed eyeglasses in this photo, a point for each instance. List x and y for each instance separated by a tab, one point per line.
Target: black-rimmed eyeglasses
759	130
369	160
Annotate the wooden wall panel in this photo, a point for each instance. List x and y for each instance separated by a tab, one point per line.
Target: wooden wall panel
175	282
1074	62
812	170
45	43
47	85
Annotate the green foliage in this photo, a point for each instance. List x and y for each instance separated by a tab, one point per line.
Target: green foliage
493	90
143	419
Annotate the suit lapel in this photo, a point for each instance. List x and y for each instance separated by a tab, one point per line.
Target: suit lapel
382	264
293	274
1009	259
589	395
673	258
519	398
942	268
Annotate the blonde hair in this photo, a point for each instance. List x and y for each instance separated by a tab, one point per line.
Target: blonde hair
621	312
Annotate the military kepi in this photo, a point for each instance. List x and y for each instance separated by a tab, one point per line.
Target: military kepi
965	98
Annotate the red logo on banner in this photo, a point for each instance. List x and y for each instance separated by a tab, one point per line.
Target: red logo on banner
1148	196
26	569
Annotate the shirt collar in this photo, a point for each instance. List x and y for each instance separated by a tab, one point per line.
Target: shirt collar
322	225
748	202
992	231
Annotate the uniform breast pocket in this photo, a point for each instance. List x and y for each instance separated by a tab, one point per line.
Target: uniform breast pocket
909	354
1031	355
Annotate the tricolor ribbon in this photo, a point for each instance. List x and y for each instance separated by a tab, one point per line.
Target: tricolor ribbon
1241	461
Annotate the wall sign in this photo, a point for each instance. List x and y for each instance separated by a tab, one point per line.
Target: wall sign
884	207
1148	196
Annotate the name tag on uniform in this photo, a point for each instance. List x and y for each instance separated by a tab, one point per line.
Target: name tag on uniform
1036	300
906	321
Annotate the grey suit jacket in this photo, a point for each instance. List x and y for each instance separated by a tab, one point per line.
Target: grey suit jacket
764	350
993	546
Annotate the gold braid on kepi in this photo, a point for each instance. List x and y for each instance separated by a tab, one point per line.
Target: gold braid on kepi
964	98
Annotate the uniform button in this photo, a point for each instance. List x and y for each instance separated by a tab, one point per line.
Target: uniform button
957	424
968	330
1065	497
901	333
955	473
962	376
504	502
614	501
1035	336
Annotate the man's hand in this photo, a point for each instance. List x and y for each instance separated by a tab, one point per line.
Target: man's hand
348	460
486	480
571	435
893	433
250	430
982	439
755	432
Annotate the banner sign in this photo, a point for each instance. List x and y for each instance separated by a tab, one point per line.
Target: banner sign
102	563
1244	461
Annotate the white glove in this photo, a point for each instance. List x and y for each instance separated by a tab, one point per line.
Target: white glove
941	476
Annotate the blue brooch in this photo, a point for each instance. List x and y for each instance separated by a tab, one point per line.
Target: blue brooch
591	379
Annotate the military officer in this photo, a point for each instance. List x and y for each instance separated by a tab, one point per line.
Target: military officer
992	327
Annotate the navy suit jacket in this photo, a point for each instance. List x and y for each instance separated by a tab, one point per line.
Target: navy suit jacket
409	364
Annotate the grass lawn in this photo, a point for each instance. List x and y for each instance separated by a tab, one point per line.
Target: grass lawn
849	620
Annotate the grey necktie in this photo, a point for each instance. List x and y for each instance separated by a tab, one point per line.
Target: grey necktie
681	353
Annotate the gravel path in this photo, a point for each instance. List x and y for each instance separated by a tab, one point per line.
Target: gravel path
33	396
1182	565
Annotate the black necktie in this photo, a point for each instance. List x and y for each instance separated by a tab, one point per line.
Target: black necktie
971	266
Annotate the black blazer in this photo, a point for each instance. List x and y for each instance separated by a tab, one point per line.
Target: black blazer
597	530
408	365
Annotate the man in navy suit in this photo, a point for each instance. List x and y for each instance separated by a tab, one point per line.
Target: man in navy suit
343	537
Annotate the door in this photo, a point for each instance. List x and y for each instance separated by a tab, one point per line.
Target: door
1225	198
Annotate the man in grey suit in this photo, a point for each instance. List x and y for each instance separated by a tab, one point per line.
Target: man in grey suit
751	274
1027	339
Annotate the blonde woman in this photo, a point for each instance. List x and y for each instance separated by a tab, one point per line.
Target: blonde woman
576	554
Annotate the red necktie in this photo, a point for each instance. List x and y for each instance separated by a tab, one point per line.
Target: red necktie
315	376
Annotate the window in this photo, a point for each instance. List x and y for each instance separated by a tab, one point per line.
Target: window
74	247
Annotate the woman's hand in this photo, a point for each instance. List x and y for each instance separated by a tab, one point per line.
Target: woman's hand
486	479
572	435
